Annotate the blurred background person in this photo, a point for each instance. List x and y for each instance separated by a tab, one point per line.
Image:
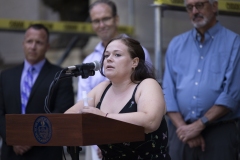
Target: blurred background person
201	87
23	90
104	19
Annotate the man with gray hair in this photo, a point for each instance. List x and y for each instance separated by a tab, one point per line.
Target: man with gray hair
201	87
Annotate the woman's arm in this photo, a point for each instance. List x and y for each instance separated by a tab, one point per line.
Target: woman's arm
93	98
151	107
75	108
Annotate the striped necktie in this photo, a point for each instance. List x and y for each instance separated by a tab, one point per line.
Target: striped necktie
26	88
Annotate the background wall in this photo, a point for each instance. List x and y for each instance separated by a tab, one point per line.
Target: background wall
11	42
141	16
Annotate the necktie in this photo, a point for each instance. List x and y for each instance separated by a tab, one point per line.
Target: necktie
26	88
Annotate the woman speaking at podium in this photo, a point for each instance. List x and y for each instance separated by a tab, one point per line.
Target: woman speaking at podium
132	95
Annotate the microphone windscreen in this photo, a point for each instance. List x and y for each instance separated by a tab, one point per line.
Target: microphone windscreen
97	65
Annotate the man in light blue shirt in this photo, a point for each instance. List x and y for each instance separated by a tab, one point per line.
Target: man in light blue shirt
202	87
105	19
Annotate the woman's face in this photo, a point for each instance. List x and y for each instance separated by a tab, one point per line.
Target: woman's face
117	61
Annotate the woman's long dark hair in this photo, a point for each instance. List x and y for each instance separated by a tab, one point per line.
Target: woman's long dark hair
143	70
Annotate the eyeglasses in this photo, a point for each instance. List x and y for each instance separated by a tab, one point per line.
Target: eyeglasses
198	6
104	20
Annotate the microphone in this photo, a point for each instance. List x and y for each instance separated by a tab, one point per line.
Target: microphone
86	66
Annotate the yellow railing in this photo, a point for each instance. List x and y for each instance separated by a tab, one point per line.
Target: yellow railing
58	27
223	5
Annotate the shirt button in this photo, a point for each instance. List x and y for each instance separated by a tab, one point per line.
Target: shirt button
196	83
199	70
194	97
201	57
200	46
193	112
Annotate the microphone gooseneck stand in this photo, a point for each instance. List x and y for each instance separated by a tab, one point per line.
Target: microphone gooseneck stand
63	74
74	152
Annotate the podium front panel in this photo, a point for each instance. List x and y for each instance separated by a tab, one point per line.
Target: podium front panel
68	130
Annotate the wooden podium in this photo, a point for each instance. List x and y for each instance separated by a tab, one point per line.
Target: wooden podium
68	130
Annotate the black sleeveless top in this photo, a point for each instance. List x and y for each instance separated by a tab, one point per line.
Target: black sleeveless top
153	147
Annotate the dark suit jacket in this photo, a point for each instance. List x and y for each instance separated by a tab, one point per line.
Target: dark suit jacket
10	102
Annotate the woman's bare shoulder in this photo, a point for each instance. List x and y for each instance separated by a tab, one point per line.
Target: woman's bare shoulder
149	85
103	84
149	81
101	87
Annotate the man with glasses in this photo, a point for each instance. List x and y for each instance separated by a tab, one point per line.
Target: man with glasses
201	87
104	19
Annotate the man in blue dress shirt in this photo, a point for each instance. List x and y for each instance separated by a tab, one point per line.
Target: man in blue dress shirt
202	87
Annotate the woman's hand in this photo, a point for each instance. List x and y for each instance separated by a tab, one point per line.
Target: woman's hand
92	110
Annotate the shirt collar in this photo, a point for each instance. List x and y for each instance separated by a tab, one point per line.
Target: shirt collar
99	48
209	33
38	66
